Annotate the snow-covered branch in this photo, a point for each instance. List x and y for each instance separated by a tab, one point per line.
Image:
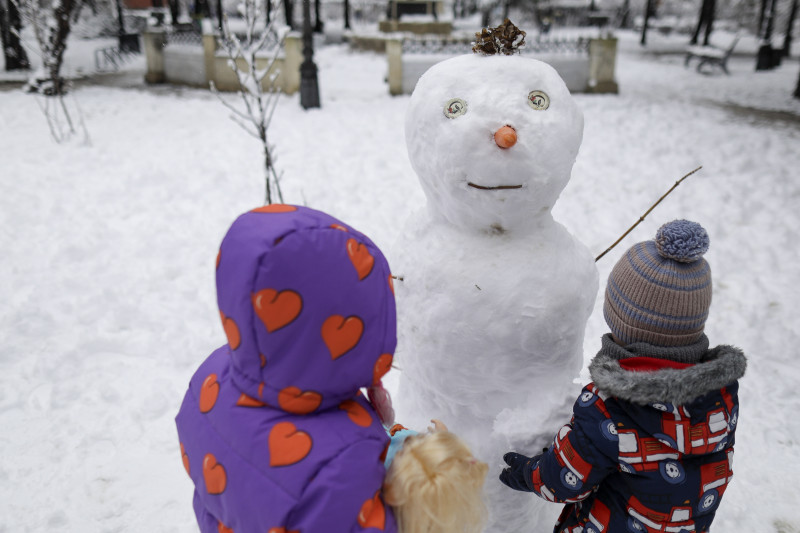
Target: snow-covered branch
253	60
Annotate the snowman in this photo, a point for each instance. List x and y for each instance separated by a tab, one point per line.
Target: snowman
495	294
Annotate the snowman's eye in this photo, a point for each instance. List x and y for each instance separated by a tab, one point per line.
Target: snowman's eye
455	107
538	100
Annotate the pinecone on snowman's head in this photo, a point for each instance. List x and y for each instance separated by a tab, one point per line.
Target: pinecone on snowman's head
506	39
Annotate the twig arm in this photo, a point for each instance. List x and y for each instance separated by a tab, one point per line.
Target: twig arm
641	218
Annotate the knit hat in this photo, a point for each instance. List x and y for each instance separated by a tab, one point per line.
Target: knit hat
659	292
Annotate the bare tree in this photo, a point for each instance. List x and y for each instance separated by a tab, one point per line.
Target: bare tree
706	19
10	26
253	60
797	89
787	39
648	12
288	10
762	16
51	25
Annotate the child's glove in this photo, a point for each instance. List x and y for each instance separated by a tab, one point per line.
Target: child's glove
518	474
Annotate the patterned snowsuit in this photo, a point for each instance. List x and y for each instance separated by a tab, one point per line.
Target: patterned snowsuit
650	444
273	430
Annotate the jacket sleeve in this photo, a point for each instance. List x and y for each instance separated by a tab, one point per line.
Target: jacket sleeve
583	453
346	495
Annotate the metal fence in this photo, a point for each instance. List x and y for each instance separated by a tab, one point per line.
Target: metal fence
447	45
190	37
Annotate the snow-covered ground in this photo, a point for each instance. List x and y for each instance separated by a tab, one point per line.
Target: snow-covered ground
107	288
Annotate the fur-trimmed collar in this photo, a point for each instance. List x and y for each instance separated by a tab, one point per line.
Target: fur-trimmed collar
715	369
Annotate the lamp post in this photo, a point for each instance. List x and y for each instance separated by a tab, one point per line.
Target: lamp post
309	88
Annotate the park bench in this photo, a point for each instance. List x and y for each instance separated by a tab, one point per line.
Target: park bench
711	56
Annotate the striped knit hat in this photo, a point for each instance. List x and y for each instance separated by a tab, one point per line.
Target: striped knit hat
660	291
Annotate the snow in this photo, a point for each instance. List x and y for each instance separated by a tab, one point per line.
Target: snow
107	287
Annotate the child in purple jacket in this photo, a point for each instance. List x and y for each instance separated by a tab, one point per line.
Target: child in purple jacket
274	431
650	444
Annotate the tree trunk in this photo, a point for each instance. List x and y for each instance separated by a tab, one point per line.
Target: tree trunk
787	40
347	14
797	89
762	14
174	11
770	21
10	20
317	21
709	20
706	20
58	38
486	17
288	8
625	21
647	10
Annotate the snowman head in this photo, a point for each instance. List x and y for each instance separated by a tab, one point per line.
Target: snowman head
492	140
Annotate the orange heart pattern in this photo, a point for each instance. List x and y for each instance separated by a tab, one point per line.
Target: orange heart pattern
222	528
248	401
275	208
341	334
287	444
382	366
293	400
391	284
339	227
356	412
281	530
373	513
360	257
185	460
214	475
231	331
209	391
277	309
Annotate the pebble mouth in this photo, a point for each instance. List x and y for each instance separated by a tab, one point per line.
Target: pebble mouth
497	188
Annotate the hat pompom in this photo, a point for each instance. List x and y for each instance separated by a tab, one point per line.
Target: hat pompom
682	240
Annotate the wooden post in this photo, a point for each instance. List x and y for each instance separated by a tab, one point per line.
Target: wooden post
394	55
602	65
154	40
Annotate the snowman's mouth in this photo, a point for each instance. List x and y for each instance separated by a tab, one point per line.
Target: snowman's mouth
496	188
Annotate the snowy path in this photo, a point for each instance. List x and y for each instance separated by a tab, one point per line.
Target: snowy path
107	288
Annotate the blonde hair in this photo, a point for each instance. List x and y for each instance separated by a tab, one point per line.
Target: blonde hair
435	485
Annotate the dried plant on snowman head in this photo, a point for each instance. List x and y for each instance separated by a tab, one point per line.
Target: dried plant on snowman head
506	39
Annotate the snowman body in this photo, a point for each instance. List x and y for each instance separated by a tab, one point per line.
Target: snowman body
495	293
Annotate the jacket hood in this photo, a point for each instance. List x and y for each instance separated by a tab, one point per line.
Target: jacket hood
307	306
711	370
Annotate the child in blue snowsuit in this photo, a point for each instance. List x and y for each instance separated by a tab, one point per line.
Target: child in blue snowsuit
650	444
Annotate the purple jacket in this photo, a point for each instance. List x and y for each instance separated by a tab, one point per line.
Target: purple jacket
273	430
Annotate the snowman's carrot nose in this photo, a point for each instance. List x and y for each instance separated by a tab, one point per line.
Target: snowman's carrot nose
505	137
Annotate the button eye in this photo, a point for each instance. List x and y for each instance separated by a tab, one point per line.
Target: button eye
538	100
455	107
